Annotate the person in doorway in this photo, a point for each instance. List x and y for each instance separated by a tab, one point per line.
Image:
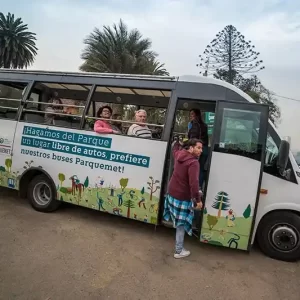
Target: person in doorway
104	126
50	118
198	129
140	129
183	191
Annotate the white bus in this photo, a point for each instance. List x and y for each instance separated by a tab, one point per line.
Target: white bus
252	183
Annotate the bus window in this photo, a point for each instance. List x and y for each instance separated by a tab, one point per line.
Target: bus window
10	97
58	104
125	102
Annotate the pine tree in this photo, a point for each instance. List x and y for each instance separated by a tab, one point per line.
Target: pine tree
221	202
230	55
247	212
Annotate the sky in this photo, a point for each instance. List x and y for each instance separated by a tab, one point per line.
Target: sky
180	31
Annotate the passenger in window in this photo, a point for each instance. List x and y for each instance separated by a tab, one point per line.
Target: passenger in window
197	129
49	118
140	129
104	126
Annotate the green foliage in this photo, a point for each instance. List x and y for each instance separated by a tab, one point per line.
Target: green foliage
65	190
17	45
117	50
143	191
247	212
221	202
212	221
123	183
8	164
205	211
129	203
2	169
61	178
86	182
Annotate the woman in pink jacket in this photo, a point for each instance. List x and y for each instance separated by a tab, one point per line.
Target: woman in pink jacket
103	126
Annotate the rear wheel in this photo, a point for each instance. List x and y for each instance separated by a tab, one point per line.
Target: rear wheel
278	235
42	195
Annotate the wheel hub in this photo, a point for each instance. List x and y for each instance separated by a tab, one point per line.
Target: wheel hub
42	193
285	238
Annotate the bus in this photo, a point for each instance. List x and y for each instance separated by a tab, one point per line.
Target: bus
252	181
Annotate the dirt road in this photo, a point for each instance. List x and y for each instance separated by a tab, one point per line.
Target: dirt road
77	253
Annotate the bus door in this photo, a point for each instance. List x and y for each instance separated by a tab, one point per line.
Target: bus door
234	174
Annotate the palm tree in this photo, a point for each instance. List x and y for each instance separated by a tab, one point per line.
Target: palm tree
117	50
17	45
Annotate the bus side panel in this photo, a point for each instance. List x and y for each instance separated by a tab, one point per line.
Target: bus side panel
111	173
8	176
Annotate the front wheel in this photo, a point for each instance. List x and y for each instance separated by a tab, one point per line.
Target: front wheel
42	195
278	235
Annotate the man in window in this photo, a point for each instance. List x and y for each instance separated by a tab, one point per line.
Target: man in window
140	129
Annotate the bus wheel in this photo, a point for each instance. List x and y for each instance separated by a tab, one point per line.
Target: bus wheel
278	235
41	194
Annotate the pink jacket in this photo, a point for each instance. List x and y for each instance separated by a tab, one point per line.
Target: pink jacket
102	127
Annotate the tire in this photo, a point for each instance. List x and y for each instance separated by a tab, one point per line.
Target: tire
42	195
278	235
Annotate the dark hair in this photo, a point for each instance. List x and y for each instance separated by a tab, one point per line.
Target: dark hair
198	114
99	112
191	143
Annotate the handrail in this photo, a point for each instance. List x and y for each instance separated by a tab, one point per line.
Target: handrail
91	74
10	99
51	113
8	107
121	121
56	104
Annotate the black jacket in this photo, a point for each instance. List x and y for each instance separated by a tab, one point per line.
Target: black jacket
198	131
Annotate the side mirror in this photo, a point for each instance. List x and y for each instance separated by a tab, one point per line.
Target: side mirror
283	156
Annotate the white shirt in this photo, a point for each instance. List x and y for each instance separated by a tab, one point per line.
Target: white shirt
140	131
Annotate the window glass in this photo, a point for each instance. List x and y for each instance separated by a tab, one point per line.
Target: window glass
56	104
237	135
11	94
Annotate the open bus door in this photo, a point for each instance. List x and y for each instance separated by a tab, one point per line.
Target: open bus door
234	174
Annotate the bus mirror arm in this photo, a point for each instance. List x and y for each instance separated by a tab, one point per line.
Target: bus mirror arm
283	157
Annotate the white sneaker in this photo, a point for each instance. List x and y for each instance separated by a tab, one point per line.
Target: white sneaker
182	254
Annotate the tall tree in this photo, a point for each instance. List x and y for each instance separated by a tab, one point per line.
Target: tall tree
230	52
118	50
17	44
258	92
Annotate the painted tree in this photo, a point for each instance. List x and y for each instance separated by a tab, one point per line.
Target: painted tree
221	202
247	212
212	221
86	182
229	51
129	203
8	164
61	178
143	191
153	186
123	183
2	169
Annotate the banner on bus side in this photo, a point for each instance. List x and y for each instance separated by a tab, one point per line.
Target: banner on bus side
116	174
